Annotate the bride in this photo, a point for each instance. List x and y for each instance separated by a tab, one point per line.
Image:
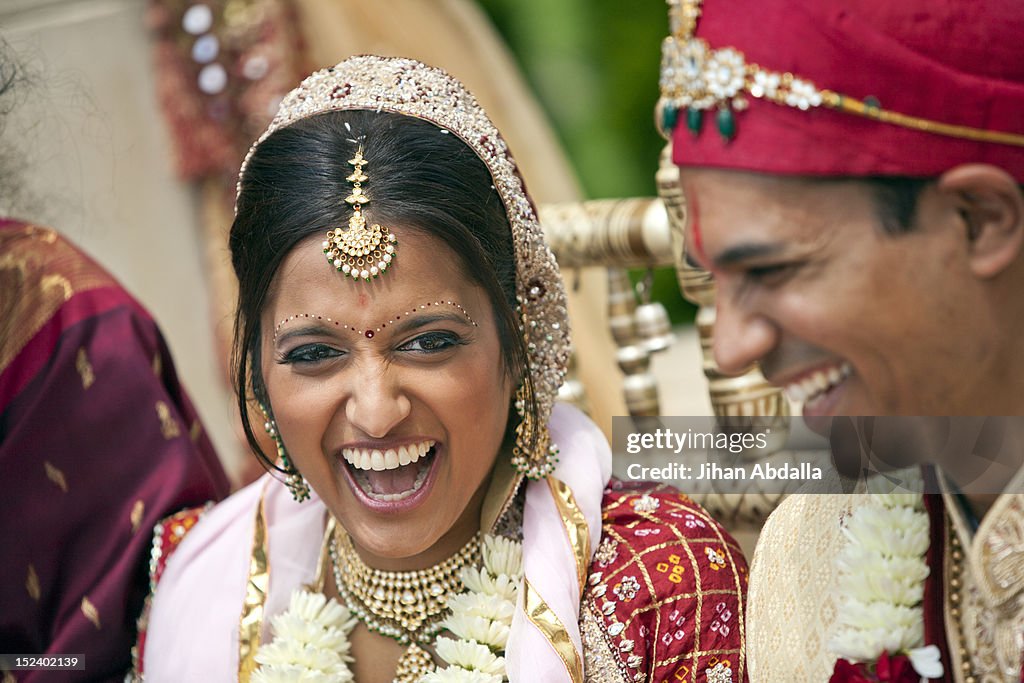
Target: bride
402	334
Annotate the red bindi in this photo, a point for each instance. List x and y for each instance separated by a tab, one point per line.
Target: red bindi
698	238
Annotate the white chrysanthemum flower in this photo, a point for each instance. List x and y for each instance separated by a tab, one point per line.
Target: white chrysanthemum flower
889	531
494	634
310	642
470	656
293	628
457	675
881	490
480	581
863	645
879	615
881	574
481	616
481	605
899	580
502	556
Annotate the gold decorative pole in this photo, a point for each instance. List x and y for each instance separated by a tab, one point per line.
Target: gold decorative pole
745	395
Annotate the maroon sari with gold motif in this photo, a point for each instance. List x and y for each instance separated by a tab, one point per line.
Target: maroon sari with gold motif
98	441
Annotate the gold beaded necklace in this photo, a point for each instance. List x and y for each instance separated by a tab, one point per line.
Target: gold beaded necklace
405	606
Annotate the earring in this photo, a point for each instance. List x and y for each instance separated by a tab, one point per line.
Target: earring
293	478
533	453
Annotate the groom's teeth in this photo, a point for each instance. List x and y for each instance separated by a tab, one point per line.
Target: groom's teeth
818	382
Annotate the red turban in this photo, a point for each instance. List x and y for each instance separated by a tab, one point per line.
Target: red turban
938	61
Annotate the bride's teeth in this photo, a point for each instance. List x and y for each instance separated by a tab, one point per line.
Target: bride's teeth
392	458
834	376
795	393
377	461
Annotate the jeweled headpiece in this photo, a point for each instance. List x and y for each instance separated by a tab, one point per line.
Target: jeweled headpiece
411	88
360	250
928	85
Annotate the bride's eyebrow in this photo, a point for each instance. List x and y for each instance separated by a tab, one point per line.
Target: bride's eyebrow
417	321
417	317
298	332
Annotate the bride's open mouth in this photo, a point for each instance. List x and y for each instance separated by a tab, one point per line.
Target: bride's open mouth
392	474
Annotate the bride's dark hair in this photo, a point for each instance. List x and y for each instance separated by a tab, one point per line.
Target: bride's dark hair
422	178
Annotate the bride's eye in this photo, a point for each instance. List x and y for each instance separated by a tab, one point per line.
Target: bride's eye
432	342
309	354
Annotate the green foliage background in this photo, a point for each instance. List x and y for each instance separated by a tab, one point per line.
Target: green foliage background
594	66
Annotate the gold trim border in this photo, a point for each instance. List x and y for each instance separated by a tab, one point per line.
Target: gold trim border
552	628
256	589
576	529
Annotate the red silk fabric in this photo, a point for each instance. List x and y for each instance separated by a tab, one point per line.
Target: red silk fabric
98	441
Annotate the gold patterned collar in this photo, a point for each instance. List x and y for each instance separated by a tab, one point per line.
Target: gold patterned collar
995	552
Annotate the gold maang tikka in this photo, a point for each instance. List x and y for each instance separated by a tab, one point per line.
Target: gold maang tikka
360	251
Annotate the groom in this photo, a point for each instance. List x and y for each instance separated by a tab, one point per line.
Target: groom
853	178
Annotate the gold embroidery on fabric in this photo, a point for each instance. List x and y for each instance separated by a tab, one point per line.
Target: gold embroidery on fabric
32	584
195	430
255	598
600	661
138	510
1002	550
168	425
991	598
575	524
41	272
90	612
544	618
158	364
56	476
9	677
84	368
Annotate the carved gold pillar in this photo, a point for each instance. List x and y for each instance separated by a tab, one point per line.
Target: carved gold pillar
745	395
617	234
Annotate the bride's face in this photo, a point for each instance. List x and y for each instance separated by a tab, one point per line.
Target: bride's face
390	395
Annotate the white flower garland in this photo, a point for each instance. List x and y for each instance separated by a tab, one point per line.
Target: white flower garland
481	617
311	638
310	642
881	574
